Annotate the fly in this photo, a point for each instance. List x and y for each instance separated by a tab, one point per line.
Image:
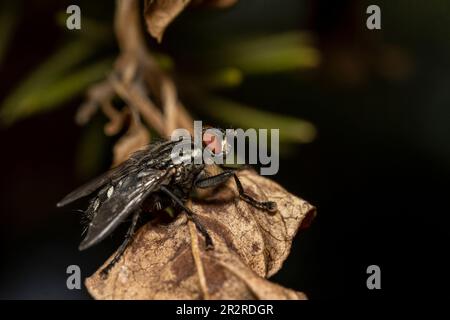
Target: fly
148	175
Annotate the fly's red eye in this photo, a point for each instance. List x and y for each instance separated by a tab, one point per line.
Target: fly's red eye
211	142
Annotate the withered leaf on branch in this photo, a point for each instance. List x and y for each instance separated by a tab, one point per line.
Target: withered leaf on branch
159	14
168	260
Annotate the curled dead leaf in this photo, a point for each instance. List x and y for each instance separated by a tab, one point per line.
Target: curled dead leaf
168	260
159	14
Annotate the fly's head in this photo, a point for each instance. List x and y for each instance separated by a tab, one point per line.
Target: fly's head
216	141
215	144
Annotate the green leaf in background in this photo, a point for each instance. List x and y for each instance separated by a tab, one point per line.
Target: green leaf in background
9	14
54	82
223	78
283	52
292	130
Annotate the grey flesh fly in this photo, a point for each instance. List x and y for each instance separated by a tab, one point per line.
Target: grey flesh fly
149	176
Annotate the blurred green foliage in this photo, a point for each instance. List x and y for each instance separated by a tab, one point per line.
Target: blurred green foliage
282	52
63	75
292	130
86	56
54	82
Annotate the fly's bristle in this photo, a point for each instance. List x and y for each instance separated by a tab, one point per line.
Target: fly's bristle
86	216
85	229
85	220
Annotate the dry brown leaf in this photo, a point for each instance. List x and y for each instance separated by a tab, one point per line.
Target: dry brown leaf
165	262
160	13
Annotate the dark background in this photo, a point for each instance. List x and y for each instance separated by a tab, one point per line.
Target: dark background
378	170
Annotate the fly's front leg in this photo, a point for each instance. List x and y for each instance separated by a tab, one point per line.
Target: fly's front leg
128	237
221	178
192	216
270	206
204	181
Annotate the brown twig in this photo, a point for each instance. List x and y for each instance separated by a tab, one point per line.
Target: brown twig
136	78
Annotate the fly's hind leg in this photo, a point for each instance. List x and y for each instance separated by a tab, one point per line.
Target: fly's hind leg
192	216
128	238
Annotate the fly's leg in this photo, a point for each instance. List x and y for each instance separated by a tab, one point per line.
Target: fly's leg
192	216
270	206
128	238
223	177
205	181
